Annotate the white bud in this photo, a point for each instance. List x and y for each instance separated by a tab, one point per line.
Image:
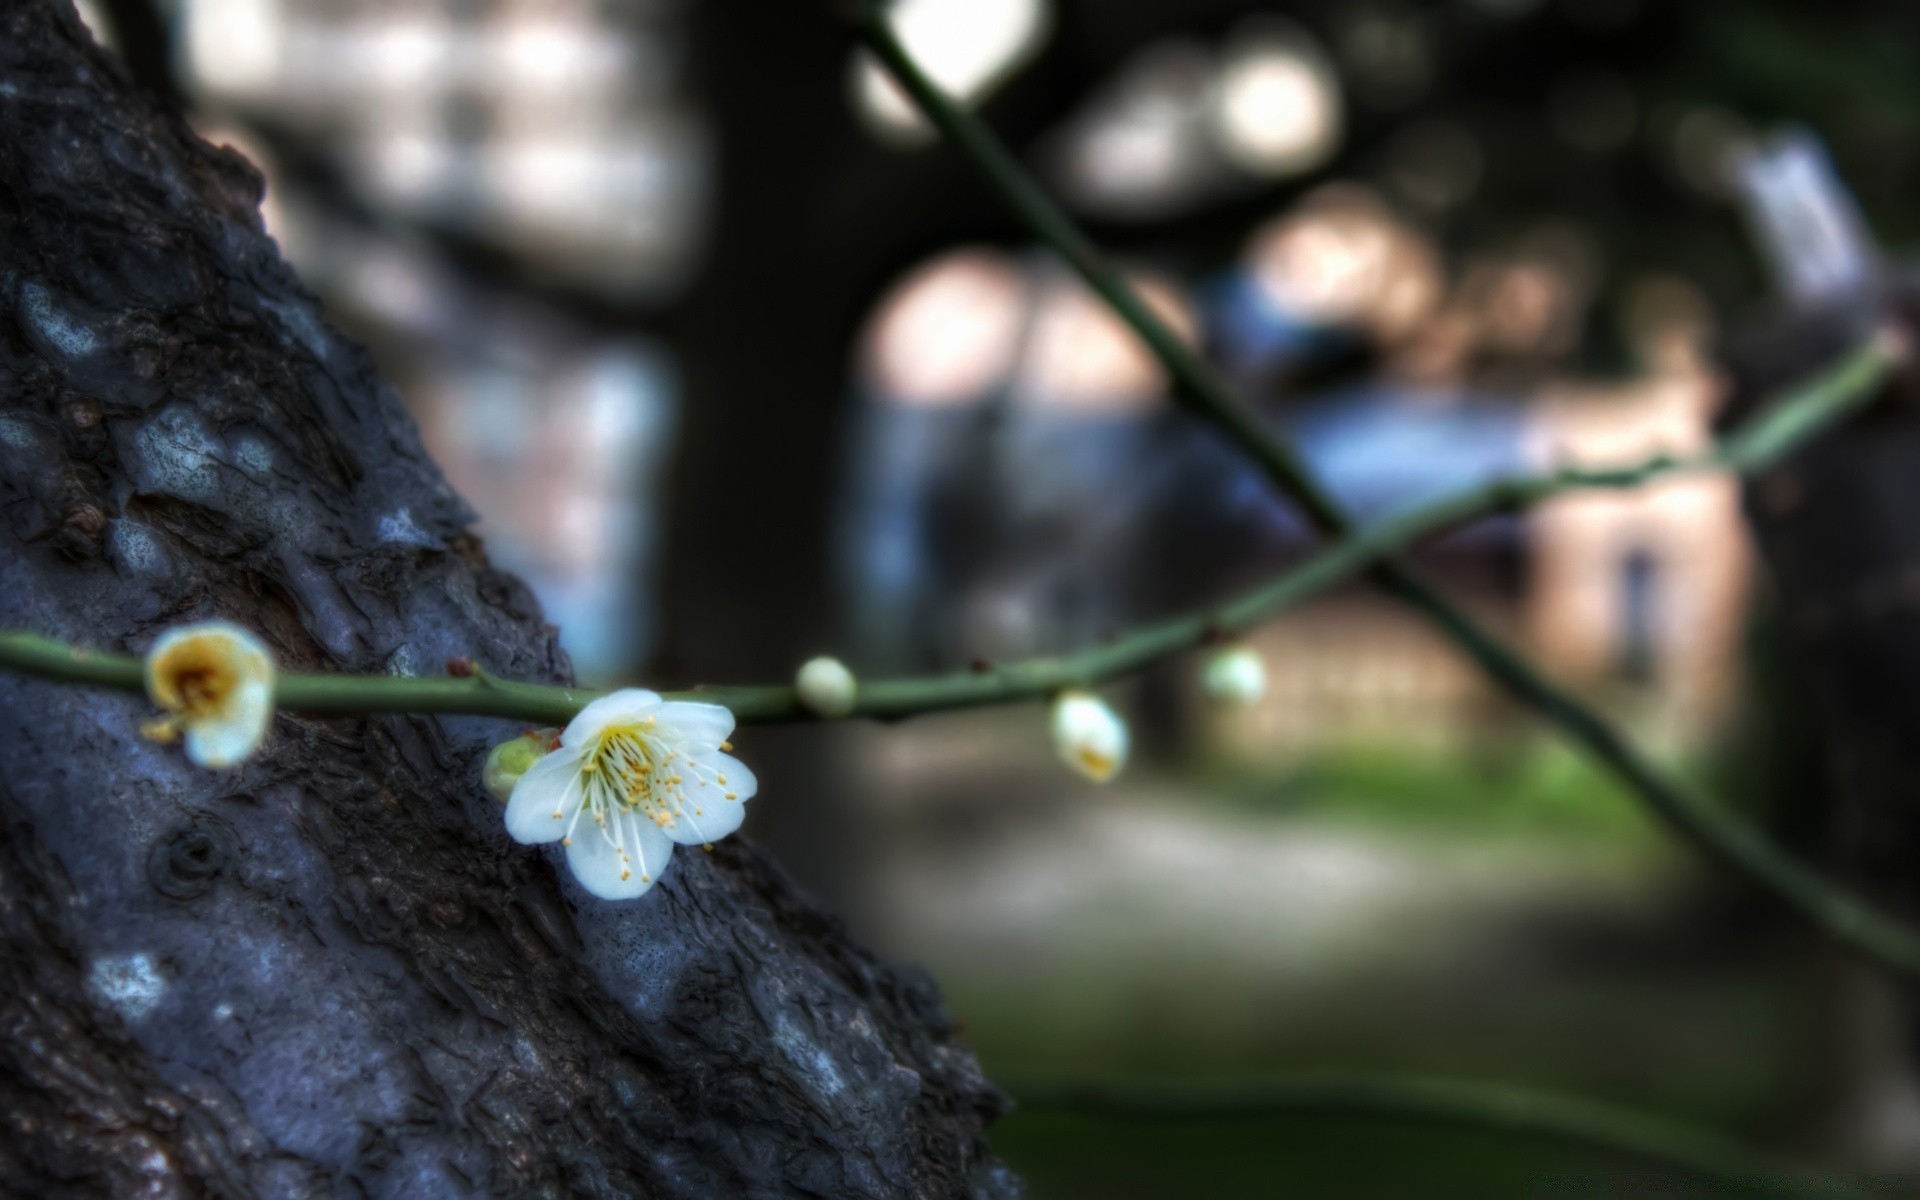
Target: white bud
826	687
215	681
1235	676
508	761
1088	735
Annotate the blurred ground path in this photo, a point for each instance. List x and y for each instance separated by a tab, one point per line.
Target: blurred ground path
1143	877
1157	926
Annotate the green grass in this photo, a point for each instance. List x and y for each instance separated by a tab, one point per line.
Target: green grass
1067	1158
1537	790
1721	1051
1719	1047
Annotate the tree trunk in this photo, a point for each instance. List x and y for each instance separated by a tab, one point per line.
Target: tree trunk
1836	527
329	971
1840	746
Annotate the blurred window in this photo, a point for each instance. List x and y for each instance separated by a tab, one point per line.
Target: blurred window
1637	651
555	128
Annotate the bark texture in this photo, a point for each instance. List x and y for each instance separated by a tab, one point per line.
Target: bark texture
329	972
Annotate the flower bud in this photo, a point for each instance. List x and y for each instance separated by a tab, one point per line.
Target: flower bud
1088	735
826	687
508	761
215	681
1235	676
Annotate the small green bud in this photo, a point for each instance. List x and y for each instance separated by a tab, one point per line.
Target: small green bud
510	760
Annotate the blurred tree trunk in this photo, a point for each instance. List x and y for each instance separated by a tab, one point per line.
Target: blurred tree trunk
1839	751
1836	526
813	218
329	972
761	348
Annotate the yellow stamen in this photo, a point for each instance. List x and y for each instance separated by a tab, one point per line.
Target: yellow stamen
1098	764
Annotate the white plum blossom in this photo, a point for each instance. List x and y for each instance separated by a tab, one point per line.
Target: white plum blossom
632	776
215	681
1235	676
1088	735
826	687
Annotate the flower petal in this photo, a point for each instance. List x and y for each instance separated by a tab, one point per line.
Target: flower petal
738	777
233	736
706	815
549	786
1088	735
601	869
690	721
625	706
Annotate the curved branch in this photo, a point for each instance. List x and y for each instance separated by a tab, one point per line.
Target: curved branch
1714	832
1770	435
1494	1108
1761	442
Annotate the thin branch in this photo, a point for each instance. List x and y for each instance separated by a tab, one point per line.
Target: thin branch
476	692
1195	381
1713	831
1494	1108
1770	435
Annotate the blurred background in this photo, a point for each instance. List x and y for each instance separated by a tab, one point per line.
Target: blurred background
737	364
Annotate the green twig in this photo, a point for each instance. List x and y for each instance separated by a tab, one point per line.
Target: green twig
1808	410
475	693
1494	1108
1713	831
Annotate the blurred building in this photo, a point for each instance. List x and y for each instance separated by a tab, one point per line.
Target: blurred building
1642	593
559	130
1027	489
1009	455
1638	599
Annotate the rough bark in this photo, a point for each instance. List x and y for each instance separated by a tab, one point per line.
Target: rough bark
329	972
